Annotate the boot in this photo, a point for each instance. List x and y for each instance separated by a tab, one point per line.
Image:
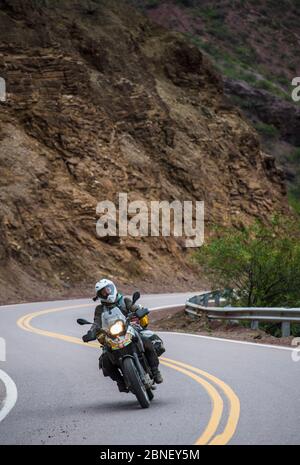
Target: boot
157	376
122	386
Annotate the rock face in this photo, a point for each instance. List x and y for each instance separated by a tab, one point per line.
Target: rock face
256	47
101	101
283	115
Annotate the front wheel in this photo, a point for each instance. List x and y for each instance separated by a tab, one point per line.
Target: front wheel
132	375
150	394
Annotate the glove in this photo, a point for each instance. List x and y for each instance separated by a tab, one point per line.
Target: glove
128	304
134	320
101	338
86	337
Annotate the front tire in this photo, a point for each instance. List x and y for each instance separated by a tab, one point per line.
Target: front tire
132	375
150	394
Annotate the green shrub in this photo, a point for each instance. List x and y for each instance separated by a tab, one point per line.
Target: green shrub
186	3
272	87
152	4
211	14
296	155
275	329
267	130
294	199
241	102
261	262
246	54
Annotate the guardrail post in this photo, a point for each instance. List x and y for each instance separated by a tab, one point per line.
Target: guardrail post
206	300
217	300
285	329
254	324
206	311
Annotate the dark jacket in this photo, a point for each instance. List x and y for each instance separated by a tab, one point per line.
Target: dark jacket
124	304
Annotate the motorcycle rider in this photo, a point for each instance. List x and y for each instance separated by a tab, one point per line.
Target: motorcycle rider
107	292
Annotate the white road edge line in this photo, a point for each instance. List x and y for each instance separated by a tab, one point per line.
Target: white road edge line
232	341
11	395
163	307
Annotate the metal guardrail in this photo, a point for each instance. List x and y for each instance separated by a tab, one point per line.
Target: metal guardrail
201	303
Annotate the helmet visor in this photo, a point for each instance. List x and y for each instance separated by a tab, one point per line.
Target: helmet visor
105	291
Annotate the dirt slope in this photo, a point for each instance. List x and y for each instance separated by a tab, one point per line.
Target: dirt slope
256	47
101	101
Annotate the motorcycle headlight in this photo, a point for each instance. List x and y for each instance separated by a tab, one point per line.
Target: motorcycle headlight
117	328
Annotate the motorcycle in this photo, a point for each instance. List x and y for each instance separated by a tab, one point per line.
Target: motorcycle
121	336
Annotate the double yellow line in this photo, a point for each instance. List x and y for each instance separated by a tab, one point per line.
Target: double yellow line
209	382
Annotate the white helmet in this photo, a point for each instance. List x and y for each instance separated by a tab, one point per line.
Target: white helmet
106	291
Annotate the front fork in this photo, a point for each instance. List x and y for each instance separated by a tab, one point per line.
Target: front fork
142	367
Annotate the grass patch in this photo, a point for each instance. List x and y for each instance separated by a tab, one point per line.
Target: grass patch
265	84
245	54
186	3
151	4
210	14
294	157
294	200
267	130
241	102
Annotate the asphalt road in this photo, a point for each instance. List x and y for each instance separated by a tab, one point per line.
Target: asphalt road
214	391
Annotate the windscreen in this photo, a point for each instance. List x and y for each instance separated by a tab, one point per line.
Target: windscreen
110	316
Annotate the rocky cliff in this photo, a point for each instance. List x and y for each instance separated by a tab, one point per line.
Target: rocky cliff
101	101
256	47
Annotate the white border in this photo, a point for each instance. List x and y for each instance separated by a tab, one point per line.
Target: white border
11	395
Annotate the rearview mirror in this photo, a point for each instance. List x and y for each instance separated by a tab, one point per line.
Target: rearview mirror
135	297
81	322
